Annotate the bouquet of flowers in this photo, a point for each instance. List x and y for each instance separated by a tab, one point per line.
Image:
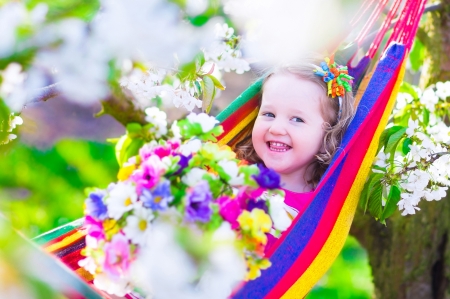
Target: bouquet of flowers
185	215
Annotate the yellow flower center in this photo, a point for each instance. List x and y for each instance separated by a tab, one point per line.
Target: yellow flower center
142	225
128	202
158	199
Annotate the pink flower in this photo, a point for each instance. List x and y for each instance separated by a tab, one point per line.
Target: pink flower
117	256
230	210
94	227
148	174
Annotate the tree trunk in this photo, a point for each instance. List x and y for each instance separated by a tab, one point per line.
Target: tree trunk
410	256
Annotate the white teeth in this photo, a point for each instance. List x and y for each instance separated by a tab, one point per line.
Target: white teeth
278	146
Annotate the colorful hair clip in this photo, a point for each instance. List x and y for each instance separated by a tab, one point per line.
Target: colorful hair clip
336	76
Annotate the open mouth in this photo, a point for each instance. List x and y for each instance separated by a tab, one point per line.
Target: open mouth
278	146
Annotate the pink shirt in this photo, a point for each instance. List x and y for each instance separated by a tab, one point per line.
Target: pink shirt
297	204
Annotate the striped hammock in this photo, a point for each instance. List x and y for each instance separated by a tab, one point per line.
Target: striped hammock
307	250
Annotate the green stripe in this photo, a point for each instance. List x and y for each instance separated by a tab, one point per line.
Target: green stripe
248	94
57	232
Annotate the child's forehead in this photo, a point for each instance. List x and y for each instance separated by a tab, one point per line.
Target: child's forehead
286	84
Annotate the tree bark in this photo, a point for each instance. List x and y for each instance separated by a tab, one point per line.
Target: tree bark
410	256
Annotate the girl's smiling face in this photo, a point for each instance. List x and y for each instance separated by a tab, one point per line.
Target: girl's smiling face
289	129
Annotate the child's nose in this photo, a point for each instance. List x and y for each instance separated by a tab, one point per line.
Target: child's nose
277	128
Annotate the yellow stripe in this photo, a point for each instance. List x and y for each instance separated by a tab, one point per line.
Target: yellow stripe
336	240
66	241
239	127
84	274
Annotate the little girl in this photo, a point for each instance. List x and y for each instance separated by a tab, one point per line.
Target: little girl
299	127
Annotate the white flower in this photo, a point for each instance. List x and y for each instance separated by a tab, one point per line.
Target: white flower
412	127
223	31
403	98
435	194
119	287
382	160
192	146
121	199
13	78
138	225
429	99
184	98
231	168
408	204
15	121
207	122
443	90
175	130
159	119
12	14
278	213
194	176
88	264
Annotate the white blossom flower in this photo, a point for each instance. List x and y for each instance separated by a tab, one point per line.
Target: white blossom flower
413	125
175	130
408	204
15	121
207	122
192	146
159	119
223	31
12	14
119	287
121	199
436	194
185	99
193	177
403	98
443	90
231	168
429	99
138	225
382	159
278	212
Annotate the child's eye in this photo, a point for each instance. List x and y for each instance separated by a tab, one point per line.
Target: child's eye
297	119
268	114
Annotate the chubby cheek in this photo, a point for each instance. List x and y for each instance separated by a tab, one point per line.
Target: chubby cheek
258	137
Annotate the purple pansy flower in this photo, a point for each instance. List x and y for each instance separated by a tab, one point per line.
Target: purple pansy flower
95	206
159	198
183	163
198	203
257	204
267	177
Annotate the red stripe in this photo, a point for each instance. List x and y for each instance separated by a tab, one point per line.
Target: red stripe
332	211
231	122
71	260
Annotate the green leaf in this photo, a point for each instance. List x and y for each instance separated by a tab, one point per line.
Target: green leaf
188	71
208	93
216	82
387	133
374	200
426	117
374	178
199	20
393	141
133	149
417	55
391	204
408	88
134	129
405	147
121	148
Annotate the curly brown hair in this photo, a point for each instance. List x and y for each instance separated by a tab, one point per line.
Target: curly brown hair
334	128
